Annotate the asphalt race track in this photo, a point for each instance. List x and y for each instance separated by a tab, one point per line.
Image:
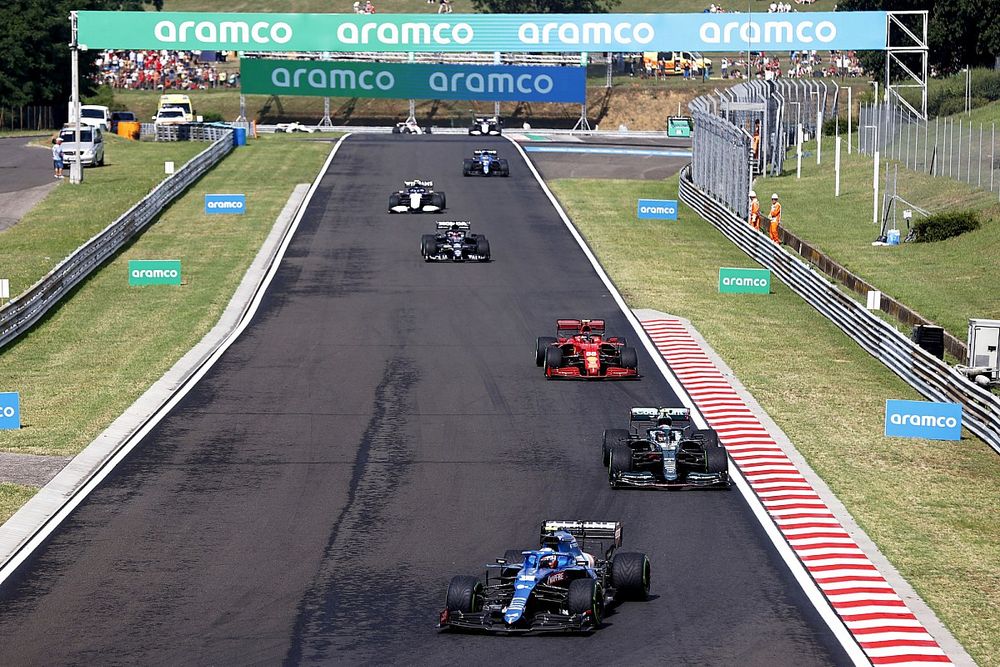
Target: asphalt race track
380	427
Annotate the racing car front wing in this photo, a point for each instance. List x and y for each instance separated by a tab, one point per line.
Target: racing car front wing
492	622
647	480
574	373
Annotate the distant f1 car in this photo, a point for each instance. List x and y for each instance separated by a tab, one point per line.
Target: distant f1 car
485	163
416	197
491	126
453	242
670	453
559	587
410	127
580	351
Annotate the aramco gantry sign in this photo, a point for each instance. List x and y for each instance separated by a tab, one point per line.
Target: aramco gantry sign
512	33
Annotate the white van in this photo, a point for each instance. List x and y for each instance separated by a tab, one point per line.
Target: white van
93	115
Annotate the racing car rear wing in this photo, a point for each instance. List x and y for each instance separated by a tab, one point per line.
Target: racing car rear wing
596	326
464	225
653	414
485	151
426	184
586	530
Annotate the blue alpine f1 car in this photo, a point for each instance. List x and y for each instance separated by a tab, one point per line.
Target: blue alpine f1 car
485	162
559	587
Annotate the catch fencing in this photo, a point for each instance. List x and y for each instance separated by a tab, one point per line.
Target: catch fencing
748	128
947	147
22	313
930	376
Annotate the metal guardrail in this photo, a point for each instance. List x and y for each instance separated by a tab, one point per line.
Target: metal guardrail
930	376
20	314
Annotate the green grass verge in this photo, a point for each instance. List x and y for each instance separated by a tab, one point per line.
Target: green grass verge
929	506
12	497
70	215
945	281
69	390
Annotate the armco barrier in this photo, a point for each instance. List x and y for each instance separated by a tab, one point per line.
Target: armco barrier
931	377
20	314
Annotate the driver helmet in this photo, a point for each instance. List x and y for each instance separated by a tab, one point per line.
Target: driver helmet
548	559
660	436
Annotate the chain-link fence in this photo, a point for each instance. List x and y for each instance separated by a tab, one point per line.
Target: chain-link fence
947	147
721	156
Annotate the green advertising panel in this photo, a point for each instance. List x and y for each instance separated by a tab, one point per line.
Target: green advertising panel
154	272
415	81
744	281
516	33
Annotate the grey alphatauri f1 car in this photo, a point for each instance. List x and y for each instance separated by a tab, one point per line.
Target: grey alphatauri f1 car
663	449
417	197
454	243
559	587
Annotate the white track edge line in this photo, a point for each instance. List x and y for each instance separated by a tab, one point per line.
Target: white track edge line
796	567
40	536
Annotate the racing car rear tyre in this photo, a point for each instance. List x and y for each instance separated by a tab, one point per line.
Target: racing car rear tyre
553	357
437	199
466	167
630	575
542	343
483	248
586	595
504	169
428	246
465	594
393	200
612	437
629	358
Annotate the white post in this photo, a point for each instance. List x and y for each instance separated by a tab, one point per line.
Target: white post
798	152
875	186
850	110
75	169
819	135
836	168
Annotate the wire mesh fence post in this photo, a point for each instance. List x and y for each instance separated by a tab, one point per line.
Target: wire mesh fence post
979	157
968	166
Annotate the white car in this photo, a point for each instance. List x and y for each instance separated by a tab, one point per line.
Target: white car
170	116
91	146
92	115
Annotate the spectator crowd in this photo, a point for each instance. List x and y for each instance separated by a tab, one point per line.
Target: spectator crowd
160	70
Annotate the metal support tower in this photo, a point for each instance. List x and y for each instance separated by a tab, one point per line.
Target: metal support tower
904	40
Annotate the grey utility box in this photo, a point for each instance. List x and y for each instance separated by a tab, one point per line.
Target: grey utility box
984	339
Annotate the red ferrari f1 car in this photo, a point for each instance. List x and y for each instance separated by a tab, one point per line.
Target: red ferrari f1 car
580	351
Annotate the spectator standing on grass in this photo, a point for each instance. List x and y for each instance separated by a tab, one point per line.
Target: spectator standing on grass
754	211
687	70
775	218
57	158
444	7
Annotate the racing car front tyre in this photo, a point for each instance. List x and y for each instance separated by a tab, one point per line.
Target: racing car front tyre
716	460
585	595
613	437
629	358
483	249
553	357
542	343
630	575
428	246
620	462
465	594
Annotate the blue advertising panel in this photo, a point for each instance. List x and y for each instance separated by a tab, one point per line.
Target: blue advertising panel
226	204
923	419
10	410
657	209
514	33
413	81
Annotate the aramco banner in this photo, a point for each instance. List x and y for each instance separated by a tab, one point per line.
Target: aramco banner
500	83
483	32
